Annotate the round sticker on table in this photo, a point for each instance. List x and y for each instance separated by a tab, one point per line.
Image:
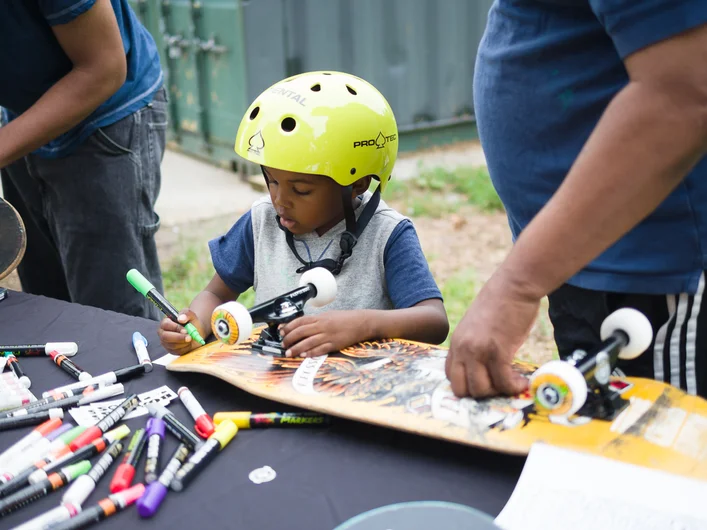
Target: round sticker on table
422	515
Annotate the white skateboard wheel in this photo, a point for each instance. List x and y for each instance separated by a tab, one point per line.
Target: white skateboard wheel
231	323
558	388
635	325
325	284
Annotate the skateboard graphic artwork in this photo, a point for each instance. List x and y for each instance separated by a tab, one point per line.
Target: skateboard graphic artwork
13	239
400	384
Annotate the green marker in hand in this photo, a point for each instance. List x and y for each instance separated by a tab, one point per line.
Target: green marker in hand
144	287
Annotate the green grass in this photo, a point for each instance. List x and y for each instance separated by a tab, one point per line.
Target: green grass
458	292
188	273
438	192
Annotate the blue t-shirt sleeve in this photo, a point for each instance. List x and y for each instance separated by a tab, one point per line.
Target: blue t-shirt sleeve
63	11
633	25
233	255
407	273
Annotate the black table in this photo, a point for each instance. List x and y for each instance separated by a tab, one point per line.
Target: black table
324	476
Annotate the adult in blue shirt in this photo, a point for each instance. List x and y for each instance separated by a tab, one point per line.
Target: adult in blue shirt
84	124
593	118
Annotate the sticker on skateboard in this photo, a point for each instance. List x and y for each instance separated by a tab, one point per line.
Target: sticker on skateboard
13	238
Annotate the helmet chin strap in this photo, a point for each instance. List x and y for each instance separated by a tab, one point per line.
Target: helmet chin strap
348	238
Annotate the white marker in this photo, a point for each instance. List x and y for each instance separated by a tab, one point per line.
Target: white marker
140	345
106	379
48	519
203	424
84	485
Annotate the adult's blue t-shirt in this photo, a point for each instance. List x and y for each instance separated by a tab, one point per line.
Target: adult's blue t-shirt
31	61
545	72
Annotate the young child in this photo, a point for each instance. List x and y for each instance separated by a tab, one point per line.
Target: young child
320	138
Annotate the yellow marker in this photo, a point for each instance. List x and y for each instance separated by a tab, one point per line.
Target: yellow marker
250	420
220	438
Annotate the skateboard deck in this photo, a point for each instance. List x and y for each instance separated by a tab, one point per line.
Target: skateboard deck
13	239
401	385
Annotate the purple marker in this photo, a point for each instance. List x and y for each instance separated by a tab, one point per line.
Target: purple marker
149	502
155	435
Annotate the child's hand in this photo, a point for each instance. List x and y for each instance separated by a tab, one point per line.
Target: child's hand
310	336
174	337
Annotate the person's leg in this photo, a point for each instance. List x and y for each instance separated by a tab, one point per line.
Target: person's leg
576	315
41	271
677	355
699	341
100	207
678	351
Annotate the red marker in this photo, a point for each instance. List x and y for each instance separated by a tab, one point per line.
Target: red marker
203	424
126	470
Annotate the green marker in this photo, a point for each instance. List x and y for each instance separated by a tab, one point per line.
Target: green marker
144	287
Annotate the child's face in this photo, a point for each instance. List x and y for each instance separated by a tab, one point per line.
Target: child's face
304	202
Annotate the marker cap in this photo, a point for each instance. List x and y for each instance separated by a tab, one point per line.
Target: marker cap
123	477
137	280
71	435
48	426
241	419
85	376
66	348
139	337
204	426
118	433
77	469
25	381
85	438
155	426
133	493
225	432
149	503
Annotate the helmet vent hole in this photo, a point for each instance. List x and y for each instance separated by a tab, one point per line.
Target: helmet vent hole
353	170
254	113
288	124
326	73
351	90
316	88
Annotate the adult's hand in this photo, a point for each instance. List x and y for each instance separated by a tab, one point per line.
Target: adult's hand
484	343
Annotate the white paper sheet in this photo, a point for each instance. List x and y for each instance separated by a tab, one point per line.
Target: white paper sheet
165	359
561	489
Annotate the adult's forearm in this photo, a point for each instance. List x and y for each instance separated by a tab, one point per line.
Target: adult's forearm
63	106
642	148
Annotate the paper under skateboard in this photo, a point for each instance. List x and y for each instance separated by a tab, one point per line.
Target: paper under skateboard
402	385
13	239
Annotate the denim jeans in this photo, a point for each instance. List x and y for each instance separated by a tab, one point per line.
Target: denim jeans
90	216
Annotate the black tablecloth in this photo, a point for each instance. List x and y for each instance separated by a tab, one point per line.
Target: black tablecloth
324	476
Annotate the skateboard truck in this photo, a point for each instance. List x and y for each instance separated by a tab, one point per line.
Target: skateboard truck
579	384
232	323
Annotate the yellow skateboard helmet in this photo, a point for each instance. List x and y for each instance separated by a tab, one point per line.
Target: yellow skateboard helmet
324	123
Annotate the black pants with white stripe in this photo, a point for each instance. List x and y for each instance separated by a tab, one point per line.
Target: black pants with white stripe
678	353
